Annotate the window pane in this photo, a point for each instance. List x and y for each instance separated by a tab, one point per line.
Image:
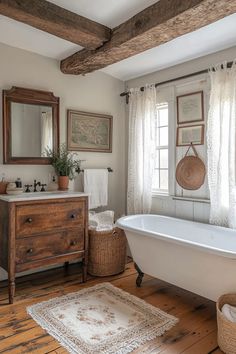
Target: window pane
164	179
155	184
157	132
164	158
163	117
164	136
160	180
157	162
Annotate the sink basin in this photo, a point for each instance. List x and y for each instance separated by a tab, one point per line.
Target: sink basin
38	194
41	195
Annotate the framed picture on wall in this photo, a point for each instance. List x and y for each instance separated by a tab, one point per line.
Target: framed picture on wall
190	108
190	134
89	131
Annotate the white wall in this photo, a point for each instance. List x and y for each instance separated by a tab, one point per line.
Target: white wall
192	205
184	69
96	92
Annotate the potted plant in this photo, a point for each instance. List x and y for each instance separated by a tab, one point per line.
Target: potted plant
65	165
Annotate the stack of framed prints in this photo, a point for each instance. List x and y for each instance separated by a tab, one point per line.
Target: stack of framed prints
190	119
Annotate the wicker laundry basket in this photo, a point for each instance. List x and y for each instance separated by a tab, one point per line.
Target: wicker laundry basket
107	252
226	328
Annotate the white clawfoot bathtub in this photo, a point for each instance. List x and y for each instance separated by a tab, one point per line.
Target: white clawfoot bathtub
198	257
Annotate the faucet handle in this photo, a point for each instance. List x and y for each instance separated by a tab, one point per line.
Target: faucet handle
28	188
43	185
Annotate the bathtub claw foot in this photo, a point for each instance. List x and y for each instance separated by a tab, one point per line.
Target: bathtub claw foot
140	275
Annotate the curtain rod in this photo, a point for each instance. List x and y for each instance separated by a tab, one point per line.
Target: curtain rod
205	71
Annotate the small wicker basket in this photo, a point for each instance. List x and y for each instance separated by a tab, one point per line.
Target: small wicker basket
226	328
107	252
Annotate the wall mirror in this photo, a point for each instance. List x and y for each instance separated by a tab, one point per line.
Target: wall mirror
30	125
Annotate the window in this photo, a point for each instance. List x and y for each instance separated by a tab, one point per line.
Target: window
160	181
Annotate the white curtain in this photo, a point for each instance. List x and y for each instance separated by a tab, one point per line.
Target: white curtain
46	132
141	152
221	145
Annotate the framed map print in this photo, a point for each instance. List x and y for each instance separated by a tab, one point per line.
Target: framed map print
89	131
190	108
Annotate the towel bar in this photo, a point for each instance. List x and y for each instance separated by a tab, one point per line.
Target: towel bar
108	168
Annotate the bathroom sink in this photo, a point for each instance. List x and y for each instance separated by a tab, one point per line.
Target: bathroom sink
38	194
41	195
47	193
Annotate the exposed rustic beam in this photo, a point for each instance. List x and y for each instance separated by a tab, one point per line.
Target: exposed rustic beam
157	24
57	21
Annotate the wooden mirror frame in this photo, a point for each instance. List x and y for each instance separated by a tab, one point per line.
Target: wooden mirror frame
27	96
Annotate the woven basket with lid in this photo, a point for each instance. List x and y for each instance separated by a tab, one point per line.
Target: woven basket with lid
107	252
226	328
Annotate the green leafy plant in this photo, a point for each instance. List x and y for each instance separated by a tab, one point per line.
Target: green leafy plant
64	162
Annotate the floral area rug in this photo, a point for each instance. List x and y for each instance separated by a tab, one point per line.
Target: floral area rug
101	320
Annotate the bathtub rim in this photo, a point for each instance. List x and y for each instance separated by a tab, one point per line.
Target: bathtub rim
168	238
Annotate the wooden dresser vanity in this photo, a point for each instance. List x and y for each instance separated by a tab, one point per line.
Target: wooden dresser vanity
40	229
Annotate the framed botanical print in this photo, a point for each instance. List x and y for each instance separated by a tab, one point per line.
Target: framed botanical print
190	134
190	108
89	131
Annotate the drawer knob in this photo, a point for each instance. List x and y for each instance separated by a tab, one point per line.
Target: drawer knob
73	243
30	250
29	220
72	216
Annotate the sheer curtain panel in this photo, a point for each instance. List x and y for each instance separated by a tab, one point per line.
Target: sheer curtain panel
46	132
141	152
221	145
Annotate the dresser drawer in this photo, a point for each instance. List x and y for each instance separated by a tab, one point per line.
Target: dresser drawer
35	219
50	245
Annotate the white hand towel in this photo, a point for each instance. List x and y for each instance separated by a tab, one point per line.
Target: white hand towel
101	221
229	312
96	184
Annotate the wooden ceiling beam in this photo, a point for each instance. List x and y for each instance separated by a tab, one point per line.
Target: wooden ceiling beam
56	20
156	25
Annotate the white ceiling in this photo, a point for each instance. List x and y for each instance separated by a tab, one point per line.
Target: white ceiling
110	13
21	36
220	35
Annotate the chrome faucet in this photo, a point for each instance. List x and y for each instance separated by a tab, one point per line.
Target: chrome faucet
36	184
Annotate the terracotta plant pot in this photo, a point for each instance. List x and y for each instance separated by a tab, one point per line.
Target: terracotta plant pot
63	183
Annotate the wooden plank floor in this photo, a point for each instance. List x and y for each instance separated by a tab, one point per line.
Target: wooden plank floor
194	334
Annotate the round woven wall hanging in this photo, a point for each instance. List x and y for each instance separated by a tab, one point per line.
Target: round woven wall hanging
190	171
